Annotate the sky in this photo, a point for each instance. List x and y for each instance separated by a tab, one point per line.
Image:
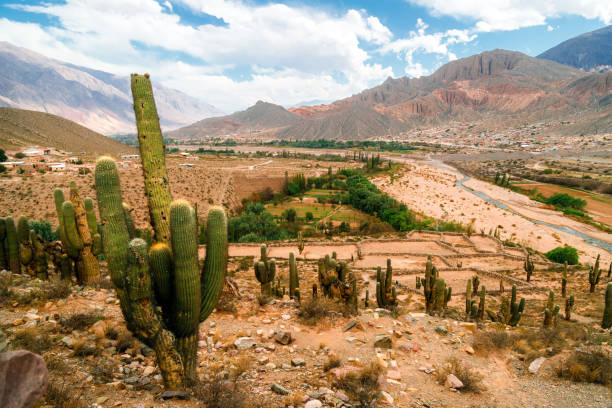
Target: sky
231	53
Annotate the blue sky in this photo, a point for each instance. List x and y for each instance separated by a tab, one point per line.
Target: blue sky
231	53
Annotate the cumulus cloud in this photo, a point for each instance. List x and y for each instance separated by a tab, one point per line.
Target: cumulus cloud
297	49
421	41
504	15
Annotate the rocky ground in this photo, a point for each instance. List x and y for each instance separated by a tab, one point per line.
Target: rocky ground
246	357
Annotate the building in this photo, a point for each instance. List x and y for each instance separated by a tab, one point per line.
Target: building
12	164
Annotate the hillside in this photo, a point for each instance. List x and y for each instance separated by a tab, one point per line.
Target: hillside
27	128
261	116
589	51
98	100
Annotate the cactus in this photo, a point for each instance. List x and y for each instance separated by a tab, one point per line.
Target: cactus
366	302
501	287
431	275
510	311
481	304
471	308
442	295
166	275
475	284
569	305
315	293
265	270
12	245
551	311
564	280
26	250
418	282
3	257
594	275
607	316
300	242
294	280
385	290
66	267
609	270
528	266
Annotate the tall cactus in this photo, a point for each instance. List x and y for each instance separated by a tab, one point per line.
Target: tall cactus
510	311
431	275
607	316
442	295
551	311
594	275
569	305
265	270
481	304
294	280
564	280
529	267
471	309
166	275
3	256
156	182
385	289
12	245
26	250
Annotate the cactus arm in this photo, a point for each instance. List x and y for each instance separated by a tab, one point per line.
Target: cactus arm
215	263
3	258
157	187
160	260
72	234
12	245
607	316
129	220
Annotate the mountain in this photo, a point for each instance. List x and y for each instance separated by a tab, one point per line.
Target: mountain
261	116
98	100
589	51
20	128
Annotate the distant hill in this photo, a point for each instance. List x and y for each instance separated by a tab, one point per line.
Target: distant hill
261	116
589	51
98	100
21	128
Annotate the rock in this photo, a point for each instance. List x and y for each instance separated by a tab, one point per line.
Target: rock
383	341
263	360
285	317
441	330
99	329
177	394
279	389
285	366
469	350
131	380
298	362
315	403
453	382
32	316
148	371
536	364
394	375
350	326
342	396
470	326
244	343
270	366
67	340
146	351
340	372
283	337
426	370
101	400
23	378
386	397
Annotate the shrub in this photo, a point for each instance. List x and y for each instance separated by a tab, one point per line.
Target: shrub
566	201
19	155
32	340
587	366
309	216
333	361
312	310
290	214
362	385
81	321
43	228
563	254
472	381
2	168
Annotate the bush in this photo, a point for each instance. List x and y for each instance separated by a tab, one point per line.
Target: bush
43	228
587	366
81	321
566	201
472	381
289	214
3	157
563	254
32	340
309	216
2	168
19	155
362	385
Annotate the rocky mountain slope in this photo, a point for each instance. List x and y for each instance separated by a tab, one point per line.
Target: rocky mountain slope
27	128
98	100
589	51
261	116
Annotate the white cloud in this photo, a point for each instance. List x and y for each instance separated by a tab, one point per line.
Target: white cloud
296	49
420	41
549	28
503	15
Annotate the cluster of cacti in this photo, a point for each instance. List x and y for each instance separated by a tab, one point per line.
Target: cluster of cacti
79	233
569	305
474	311
594	275
529	267
564	280
10	244
277	289
386	296
551	312
437	294
294	279
510	311
606	323
31	250
265	270
337	281
163	295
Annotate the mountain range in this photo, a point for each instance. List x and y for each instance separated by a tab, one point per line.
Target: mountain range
98	100
590	51
495	85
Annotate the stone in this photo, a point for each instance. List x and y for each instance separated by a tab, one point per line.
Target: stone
101	400
536	364
131	380
279	389
453	382
350	326
469	350
244	343
469	326
67	341
285	317
383	341
176	394
426	370
283	337
298	362
315	403
441	330
386	398
23	378
270	366
342	396
394	375
148	371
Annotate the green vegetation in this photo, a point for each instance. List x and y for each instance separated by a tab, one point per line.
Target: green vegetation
566	201
255	224
563	254
3	157
43	228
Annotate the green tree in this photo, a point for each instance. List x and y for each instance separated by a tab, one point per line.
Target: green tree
563	254
3	157
290	215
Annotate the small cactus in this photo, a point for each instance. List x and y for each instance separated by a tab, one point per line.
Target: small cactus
569	305
12	245
551	312
481	305
385	290
564	280
475	284
594	275
3	256
294	280
470	305
607	317
265	270
300	242
529	267
431	275
510	311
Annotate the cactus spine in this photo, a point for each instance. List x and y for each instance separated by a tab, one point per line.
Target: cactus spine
294	280
156	182
607	317
12	245
265	270
551	312
594	275
528	266
569	305
385	290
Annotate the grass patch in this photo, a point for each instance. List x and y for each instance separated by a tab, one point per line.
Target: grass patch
333	361
31	339
363	385
472	381
81	321
315	309
587	366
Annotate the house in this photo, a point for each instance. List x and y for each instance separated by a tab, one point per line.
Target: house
32	152
56	167
12	164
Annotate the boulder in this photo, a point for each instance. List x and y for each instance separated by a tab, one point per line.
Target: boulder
536	364
244	343
283	337
383	341
23	378
315	403
453	382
